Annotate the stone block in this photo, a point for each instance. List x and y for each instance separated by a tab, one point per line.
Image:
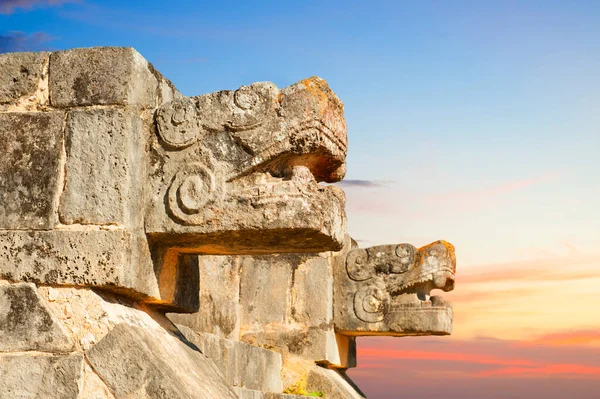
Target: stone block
333	383
321	346
20	75
243	365
93	386
101	76
109	259
40	376
312	290
295	315
30	144
313	344
244	393
264	290
257	368
151	364
26	323
104	168
346	349
219	298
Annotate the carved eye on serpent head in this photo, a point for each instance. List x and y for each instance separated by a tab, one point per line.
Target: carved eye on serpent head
405	254
178	123
357	265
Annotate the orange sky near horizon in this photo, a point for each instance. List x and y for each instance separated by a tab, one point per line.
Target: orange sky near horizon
514	324
526	319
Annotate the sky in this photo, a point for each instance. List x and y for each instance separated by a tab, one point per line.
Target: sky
476	122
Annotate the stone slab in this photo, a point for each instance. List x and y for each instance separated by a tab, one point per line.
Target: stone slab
26	323
103	172
135	361
100	258
20	74
295	315
251	394
30	144
264	289
333	383
243	365
312	279
219	298
101	76
93	386
40	376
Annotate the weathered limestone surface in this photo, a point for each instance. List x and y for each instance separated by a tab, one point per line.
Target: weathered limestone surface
386	290
40	376
20	74
333	383
101	76
99	258
381	290
93	386
243	365
133	361
26	324
280	302
30	144
104	168
219	286
288	316
251	394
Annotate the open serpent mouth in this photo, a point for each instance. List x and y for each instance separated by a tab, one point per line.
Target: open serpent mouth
307	159
295	181
417	293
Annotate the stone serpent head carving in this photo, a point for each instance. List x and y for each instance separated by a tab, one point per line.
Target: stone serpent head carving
385	290
238	172
244	166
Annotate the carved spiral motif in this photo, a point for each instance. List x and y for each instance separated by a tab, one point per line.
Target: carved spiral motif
189	192
358	266
371	303
178	124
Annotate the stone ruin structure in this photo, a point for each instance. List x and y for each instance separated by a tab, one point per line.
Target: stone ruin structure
154	245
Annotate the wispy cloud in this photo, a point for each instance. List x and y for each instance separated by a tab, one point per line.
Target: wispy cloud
12	6
365	183
584	337
371	354
544	371
502	188
19	41
552	269
467	200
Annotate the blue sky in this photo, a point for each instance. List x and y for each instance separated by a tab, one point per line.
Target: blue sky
472	121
